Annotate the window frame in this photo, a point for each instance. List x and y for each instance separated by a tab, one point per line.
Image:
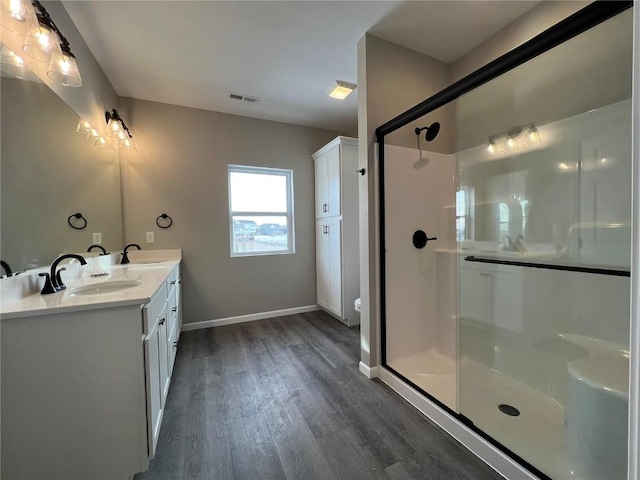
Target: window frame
289	214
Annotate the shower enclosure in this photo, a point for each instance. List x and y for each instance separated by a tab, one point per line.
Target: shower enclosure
505	266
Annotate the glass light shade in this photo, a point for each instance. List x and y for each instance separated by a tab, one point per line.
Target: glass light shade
17	15
14	66
491	148
101	142
64	70
533	138
84	128
41	43
128	144
510	145
114	129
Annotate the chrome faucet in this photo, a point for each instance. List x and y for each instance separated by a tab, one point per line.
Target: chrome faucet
104	252
125	257
53	281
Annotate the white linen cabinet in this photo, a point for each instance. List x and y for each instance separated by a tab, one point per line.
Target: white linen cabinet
337	257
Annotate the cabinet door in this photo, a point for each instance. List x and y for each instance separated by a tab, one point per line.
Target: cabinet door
333	182
163	357
507	301
473	294
322	263
334	294
154	391
321	185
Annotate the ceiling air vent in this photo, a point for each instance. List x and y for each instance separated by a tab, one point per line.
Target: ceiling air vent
243	98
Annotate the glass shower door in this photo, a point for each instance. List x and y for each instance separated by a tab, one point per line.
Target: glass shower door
544	159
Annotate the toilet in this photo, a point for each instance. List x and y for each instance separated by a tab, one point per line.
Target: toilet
358	305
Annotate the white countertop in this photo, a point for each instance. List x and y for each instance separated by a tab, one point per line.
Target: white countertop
150	275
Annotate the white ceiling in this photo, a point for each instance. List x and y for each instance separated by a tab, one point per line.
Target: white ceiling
193	53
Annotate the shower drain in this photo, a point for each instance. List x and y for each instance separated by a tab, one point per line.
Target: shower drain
509	410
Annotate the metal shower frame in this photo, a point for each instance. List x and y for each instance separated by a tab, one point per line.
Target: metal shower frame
581	21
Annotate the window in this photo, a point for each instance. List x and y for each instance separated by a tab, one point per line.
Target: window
260	211
464	199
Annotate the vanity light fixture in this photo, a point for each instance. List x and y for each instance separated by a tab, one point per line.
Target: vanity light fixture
512	142
41	39
118	131
340	89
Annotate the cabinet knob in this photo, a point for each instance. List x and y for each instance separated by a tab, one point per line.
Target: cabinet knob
325	207
162	320
173	282
174	309
175	344
361	171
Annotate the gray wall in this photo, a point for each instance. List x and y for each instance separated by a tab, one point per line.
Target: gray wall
535	21
181	169
391	79
397	79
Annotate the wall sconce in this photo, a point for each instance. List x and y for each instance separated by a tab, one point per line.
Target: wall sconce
118	131
43	40
512	142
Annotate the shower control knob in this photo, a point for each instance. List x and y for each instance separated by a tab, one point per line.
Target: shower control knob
420	239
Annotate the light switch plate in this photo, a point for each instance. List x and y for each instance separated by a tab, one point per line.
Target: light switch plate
150	237
97	238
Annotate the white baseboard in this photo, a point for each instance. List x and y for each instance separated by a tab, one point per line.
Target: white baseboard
369	372
493	457
247	318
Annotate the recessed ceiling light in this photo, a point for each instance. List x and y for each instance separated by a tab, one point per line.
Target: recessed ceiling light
340	89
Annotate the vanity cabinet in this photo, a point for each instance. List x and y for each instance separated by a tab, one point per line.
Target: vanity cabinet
161	321
174	317
84	388
337	257
492	294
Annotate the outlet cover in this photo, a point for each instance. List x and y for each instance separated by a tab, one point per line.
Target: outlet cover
150	237
97	238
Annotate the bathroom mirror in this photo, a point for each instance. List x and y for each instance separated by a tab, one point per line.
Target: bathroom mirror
48	173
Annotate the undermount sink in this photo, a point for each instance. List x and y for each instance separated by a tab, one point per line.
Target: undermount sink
103	287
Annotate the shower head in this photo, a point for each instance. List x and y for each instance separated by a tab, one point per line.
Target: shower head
432	131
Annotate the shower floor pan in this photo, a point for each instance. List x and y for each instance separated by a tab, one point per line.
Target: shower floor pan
537	434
